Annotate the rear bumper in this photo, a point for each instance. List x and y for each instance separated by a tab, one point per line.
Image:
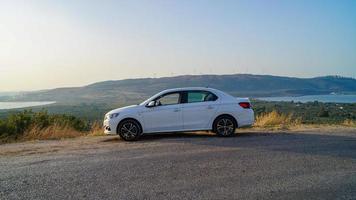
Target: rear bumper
248	118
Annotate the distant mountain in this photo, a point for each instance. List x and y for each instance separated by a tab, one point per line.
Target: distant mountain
135	90
8	93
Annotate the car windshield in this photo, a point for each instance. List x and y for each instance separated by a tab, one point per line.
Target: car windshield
147	100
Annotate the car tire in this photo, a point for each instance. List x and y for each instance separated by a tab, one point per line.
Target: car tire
224	126
129	130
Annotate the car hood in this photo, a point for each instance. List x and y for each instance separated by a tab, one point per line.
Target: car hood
122	109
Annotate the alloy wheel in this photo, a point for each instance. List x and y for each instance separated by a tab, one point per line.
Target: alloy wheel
225	127
129	130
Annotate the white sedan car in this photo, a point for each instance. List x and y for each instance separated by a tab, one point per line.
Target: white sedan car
181	109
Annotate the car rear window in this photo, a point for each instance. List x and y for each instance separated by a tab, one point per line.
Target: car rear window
200	96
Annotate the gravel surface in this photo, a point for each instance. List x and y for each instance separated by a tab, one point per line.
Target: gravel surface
308	165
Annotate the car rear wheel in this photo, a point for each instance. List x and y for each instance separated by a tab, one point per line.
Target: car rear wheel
129	130
224	126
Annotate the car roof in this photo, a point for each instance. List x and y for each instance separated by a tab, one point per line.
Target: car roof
189	88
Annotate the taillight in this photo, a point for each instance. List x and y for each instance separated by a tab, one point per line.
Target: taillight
245	105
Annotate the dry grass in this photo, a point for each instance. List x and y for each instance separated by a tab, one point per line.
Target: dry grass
51	132
96	130
60	132
272	121
275	120
349	123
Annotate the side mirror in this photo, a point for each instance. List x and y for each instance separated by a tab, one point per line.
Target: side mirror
151	104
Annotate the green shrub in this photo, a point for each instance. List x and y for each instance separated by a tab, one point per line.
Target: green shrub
16	124
323	113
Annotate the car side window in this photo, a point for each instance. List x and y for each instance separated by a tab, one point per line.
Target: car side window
200	96
169	99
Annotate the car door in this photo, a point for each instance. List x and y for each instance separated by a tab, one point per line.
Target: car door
166	115
198	109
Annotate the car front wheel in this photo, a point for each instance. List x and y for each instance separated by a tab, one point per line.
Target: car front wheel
129	130
224	126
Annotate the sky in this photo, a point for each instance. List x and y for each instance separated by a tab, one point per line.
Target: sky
61	43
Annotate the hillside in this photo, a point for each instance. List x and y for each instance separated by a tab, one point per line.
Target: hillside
135	90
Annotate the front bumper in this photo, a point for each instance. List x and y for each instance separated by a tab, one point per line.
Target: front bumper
108	128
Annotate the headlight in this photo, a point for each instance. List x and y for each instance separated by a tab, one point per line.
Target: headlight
113	115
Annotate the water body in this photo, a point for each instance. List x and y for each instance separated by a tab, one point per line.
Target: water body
310	98
12	105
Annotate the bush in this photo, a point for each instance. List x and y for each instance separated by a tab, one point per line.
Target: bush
29	124
323	113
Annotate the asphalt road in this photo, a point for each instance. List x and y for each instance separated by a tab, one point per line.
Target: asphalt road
183	166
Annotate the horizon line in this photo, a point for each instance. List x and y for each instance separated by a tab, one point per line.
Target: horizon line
66	87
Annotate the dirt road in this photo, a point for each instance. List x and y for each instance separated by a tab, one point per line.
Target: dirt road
308	165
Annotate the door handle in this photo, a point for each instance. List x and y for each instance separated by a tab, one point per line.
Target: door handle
176	110
210	107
